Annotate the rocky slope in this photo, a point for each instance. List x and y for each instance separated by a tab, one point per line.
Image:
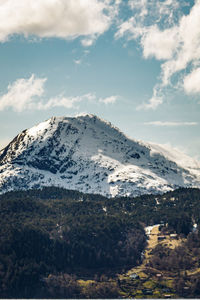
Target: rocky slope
88	154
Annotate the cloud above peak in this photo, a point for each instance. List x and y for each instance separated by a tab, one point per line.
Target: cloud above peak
22	93
167	31
168	34
160	44
55	18
192	82
29	94
109	100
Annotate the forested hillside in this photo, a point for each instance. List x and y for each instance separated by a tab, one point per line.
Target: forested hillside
50	238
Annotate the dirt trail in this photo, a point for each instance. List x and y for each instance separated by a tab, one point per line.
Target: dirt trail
153	238
152	242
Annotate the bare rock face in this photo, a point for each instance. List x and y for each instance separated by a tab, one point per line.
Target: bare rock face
88	154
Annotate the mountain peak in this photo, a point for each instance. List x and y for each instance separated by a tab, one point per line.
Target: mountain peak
89	154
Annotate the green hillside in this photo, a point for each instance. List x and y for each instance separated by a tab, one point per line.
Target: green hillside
52	238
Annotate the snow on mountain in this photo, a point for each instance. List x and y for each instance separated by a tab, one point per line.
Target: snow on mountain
88	154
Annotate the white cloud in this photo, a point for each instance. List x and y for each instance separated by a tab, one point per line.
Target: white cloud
192	82
77	61
26	94
109	100
154	102
171	124
166	34
158	10
66	102
22	93
140	5
55	18
160	44
187	50
87	42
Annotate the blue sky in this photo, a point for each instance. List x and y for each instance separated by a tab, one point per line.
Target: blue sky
134	63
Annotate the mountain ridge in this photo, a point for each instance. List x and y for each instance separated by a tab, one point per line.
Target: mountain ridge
91	155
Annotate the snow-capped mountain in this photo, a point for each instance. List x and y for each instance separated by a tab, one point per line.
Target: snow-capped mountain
88	154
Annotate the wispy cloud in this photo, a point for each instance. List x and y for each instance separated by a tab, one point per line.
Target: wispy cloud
171	124
109	100
77	61
192	82
87	42
28	94
154	102
66	102
22	94
56	18
169	36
